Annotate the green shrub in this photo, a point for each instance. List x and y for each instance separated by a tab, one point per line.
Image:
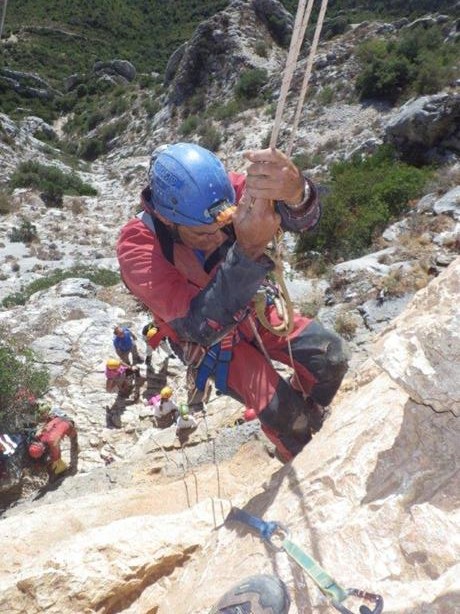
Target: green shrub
250	83
119	106
101	277
364	195
334	27
48	179
385	79
5	203
22	380
197	103
418	62
226	110
25	233
261	49
81	91
53	197
302	160
189	125
93	120
210	137
151	106
326	95
92	148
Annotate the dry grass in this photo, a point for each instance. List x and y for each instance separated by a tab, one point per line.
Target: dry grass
311	305
346	324
75	205
6	206
400	282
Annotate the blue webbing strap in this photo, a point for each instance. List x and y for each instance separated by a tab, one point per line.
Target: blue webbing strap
217	363
265	529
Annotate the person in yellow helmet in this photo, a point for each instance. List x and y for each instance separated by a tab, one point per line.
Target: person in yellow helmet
166	392
155	338
164	409
119	377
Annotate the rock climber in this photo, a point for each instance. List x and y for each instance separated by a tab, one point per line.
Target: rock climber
197	261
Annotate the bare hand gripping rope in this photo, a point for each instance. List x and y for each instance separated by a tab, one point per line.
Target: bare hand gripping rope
284	304
327	585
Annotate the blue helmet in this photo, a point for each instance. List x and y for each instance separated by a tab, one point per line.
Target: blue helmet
189	184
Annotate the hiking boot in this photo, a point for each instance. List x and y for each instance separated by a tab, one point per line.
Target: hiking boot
317	414
309	421
262	594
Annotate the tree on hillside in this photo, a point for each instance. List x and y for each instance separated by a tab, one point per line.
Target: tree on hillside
22	381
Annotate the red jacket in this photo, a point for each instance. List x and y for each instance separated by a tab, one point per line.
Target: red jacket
188	303
53	432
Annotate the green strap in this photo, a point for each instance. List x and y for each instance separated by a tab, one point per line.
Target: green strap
326	583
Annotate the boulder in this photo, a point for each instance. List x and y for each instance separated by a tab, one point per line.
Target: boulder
122	68
426	127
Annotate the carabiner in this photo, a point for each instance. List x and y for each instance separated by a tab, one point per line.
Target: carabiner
363	609
280	534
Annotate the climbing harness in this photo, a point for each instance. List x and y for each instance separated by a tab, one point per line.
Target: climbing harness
335	593
216	362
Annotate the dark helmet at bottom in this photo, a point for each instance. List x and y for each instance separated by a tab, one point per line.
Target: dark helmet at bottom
189	184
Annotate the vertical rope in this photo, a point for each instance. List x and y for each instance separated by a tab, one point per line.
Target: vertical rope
298	32
306	79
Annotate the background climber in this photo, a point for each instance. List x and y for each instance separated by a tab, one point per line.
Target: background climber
185	421
164	409
155	338
124	342
46	445
123	378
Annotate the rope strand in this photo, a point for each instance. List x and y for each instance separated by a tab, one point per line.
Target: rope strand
306	79
300	25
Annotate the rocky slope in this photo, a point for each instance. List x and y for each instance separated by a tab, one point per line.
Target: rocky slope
374	498
139	528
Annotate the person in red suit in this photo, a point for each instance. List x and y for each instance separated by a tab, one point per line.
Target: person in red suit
47	444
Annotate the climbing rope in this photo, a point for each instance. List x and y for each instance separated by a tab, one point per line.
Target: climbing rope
283	301
302	18
300	25
308	71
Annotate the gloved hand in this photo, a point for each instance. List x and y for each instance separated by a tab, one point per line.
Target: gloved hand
59	466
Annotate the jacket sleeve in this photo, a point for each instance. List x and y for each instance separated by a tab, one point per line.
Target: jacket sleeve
199	315
298	220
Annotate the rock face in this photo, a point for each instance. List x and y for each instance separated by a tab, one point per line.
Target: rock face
226	44
426	127
374	498
26	83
